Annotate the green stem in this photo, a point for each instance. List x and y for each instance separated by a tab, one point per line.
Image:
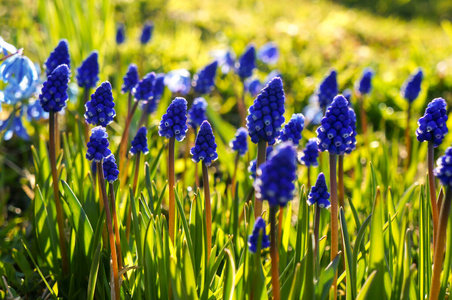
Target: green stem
86	92
408	137
362	115
261	157
233	183
124	140
432	188
340	176
309	178
334	216
135	184
115	223
274	254
208	209
171	183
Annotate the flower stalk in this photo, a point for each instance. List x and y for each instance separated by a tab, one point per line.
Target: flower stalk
334	216
172	183
274	254
116	225
135	184
432	188
208	209
340	175
261	157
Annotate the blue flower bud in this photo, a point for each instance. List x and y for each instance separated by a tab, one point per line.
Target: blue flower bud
252	166
146	34
145	88
412	87
204	80
240	141
53	95
197	113
130	79
275	177
205	149
432	126
266	115
327	89
110	169
59	56
140	142
98	145
364	85
247	63
174	122
319	193
268	53
292	130
120	34
88	72
100	109
253	239
310	153
444	168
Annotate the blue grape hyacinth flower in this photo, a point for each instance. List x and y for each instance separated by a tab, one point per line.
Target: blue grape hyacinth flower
253	239
432	126
310	153
319	193
174	122
59	56
140	142
100	109
412	86
54	95
98	145
144	91
327	90
266	115
14	126
197	113
110	169
352	116
204	80
335	132
146	33
178	81
292	130
120	34
131	79
225	58
252	166
253	85
205	148
275	177
347	93
364	85
88	72
268	53
35	111
247	63
240	142
444	168
159	87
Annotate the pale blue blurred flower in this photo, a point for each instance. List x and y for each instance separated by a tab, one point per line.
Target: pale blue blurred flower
271	75
6	47
13	125
312	112
253	86
268	53
225	58
178	81
35	111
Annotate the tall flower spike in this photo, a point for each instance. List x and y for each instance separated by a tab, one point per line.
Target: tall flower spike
88	72
204	80
146	34
352	116
319	193
252	166
240	141
53	95
268	53
247	63
145	88
275	178
197	113
253	239
292	130
364	85
327	89
100	109
432	126
98	145
205	149
174	122
110	169
59	56
335	132
131	78
120	34
310	153
266	115
140	142
412	87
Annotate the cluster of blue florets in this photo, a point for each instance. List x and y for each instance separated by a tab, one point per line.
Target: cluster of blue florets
110	169
205	148
319	193
352	116
174	122
247	63
88	72
310	153
145	88
327	90
364	85
197	113
432	126
204	80
335	132
275	177
266	115
100	109
59	56
292	130
253	239
130	79
412	86
98	145
53	95
444	168
240	141
140	142
146	34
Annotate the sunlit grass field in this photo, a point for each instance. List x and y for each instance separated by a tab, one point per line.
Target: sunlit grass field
386	238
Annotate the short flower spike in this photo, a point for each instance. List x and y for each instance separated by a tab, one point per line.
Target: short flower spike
205	148
335	132
174	122
144	91
364	85
59	56
310	153
444	168
292	130
266	115
197	113
54	95
140	142
240	142
253	239
319	193
247	63
432	126
98	145
146	34
327	89
268	53
275	177
131	79
412	86
110	169
204	80
88	72
100	109
120	34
